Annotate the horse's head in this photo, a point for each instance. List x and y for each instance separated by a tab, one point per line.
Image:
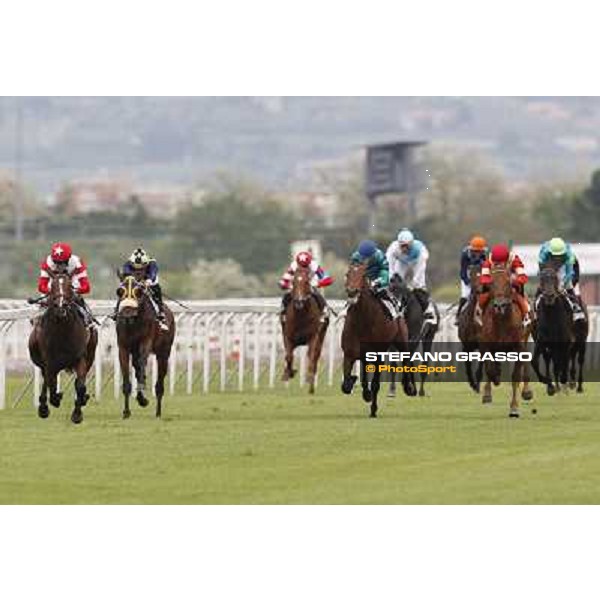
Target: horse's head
501	290
398	286
474	273
60	294
301	287
130	293
356	281
549	284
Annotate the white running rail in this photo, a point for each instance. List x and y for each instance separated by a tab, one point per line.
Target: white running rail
221	345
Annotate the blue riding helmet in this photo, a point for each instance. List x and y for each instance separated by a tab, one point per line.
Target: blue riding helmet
367	248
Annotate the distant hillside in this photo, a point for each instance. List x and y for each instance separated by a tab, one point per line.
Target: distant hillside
279	139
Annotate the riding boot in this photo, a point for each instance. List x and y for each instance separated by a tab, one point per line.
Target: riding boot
285	300
322	304
578	314
390	302
157	295
424	299
461	305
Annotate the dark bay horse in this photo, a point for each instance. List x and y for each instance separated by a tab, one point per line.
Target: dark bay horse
60	341
139	335
553	332
469	331
368	328
503	331
418	335
303	326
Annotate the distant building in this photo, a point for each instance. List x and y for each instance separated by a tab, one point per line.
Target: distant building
86	196
589	264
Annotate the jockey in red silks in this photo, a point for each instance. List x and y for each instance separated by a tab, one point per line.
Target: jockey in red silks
62	260
319	278
501	256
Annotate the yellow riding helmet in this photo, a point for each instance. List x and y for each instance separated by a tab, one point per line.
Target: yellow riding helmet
557	246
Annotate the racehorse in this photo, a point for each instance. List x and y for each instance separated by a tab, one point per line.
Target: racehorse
138	336
368	328
417	333
302	325
503	331
469	331
60	341
553	331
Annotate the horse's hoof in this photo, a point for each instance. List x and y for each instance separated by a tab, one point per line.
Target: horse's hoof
367	395
514	414
572	385
551	391
142	400
373	416
391	394
534	411
76	416
56	400
126	414
486	400
580	390
43	411
421	393
527	395
348	384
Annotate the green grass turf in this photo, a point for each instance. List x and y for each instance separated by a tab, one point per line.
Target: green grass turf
285	447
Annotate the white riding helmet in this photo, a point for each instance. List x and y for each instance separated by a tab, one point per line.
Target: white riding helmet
405	236
139	258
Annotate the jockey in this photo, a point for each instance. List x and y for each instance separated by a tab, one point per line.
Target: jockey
62	259
408	257
560	253
319	279
143	267
501	256
472	255
378	272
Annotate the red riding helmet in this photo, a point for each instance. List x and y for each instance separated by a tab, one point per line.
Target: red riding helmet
60	252
304	258
500	253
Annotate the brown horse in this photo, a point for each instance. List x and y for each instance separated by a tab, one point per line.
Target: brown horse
503	331
468	329
60	341
303	326
368	328
139	335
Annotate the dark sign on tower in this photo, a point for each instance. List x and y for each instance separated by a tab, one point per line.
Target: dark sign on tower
393	169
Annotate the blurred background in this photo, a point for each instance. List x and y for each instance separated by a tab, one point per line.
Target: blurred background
218	188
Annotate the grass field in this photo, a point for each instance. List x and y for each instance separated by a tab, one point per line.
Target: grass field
285	447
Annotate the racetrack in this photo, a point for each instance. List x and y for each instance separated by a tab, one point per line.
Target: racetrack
284	447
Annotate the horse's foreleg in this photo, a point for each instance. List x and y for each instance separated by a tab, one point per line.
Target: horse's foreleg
126	387
52	383
580	362
80	391
348	379
43	410
314	353
140	375
516	382
159	388
487	387
374	391
288	372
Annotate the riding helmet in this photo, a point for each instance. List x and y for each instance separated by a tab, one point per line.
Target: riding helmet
405	236
139	258
367	248
557	246
60	252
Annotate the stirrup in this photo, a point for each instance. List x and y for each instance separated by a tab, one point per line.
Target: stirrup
578	315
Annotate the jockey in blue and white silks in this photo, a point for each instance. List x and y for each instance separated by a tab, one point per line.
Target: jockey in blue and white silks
408	258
